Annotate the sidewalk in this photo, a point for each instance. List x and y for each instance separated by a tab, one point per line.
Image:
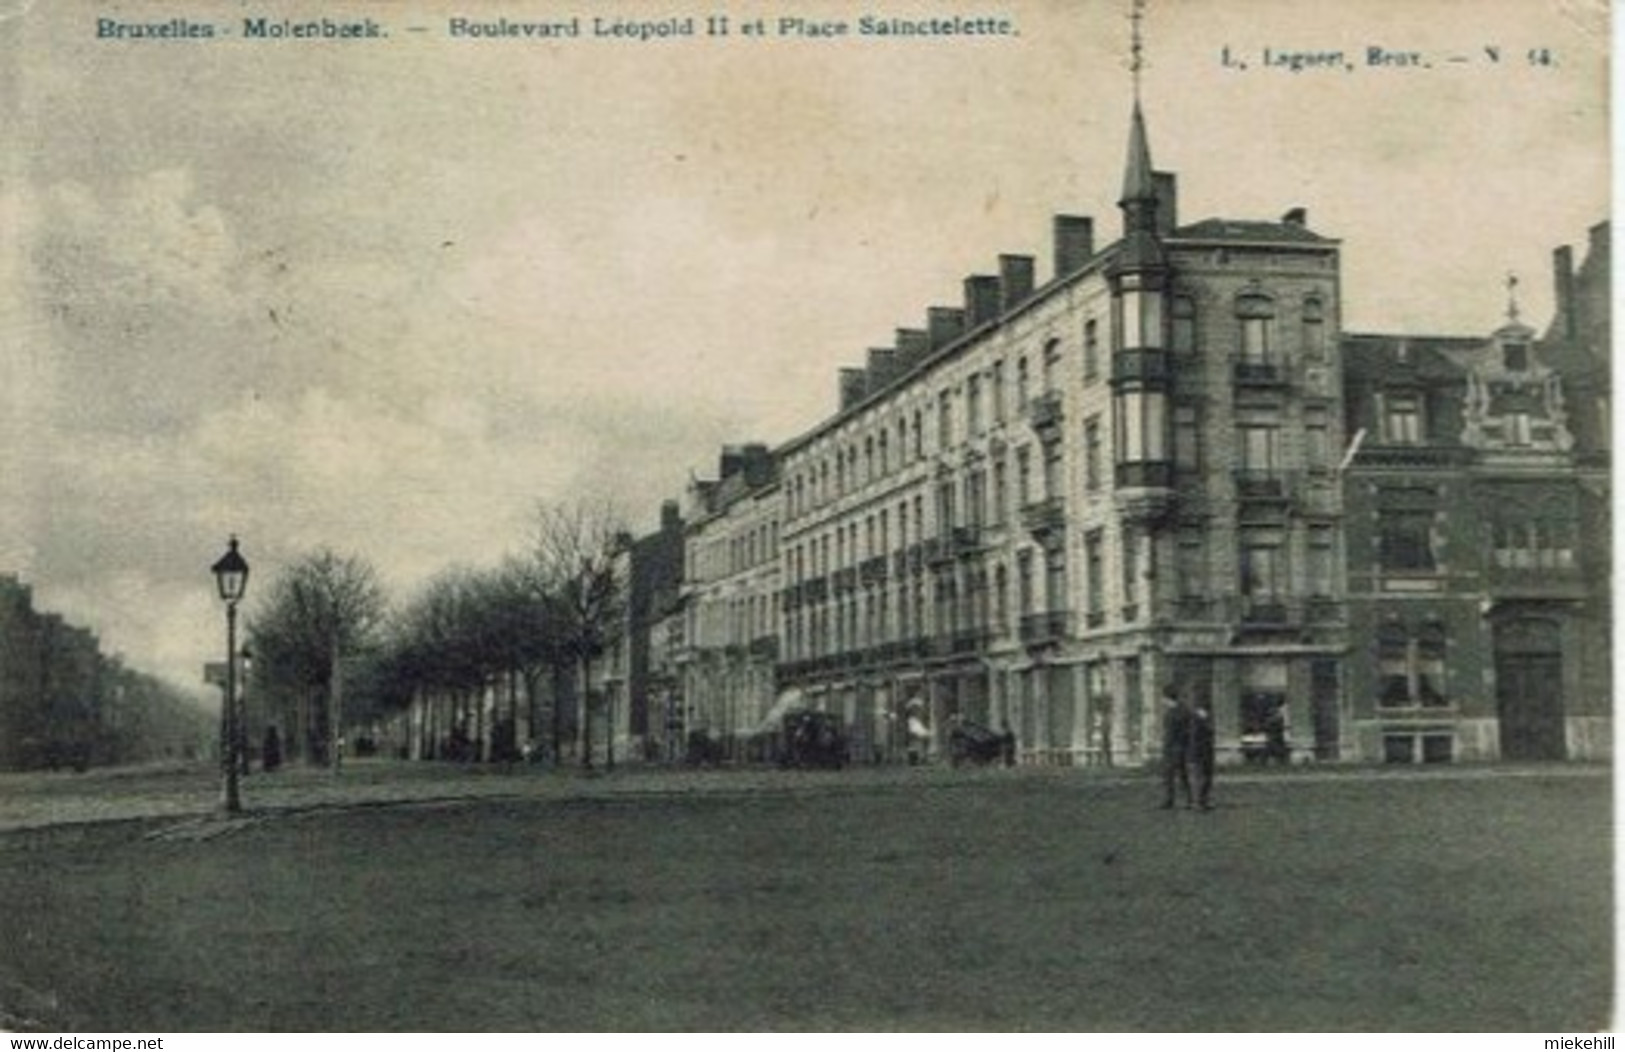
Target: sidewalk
38	799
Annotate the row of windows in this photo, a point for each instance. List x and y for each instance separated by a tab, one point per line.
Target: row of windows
712	558
1405	421
964	599
985	394
1408	540
733	621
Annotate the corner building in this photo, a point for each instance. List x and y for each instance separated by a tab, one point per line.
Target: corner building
1052	500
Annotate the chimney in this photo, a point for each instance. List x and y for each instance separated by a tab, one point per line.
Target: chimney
1074	244
758	464
981	300
671	517
1298	217
1015	281
912	347
854	386
1563	289
1167	184
730	463
943	325
882	367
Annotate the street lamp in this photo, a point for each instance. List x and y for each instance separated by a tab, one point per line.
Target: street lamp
231	575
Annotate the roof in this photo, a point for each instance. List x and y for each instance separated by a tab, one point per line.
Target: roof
1377	357
1250	230
1138	182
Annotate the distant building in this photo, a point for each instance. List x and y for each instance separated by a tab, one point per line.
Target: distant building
728	649
636	679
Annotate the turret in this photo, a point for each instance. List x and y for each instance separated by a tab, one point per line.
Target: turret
1141	377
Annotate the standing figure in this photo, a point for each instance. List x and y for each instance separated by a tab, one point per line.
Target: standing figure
271	749
1176	742
1103	727
1275	736
1202	755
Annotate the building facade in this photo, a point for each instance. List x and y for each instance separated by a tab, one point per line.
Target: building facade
728	644
1479	565
1167	465
1054	500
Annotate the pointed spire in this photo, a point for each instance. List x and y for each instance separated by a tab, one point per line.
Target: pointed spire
1139	183
1141	248
1512	297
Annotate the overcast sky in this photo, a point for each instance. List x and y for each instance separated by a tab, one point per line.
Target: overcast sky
386	296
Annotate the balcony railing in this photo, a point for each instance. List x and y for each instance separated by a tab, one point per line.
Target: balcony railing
1398	456
1265	612
873	571
1260	484
845	580
965	539
1044	516
1044	411
1144	474
1260	374
1045	627
1140	365
1322	609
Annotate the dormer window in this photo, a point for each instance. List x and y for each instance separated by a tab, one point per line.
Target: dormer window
1402	420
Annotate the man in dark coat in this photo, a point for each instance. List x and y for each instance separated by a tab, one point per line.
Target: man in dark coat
1202	755
1176	743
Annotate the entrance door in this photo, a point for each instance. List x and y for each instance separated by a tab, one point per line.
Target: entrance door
1529	689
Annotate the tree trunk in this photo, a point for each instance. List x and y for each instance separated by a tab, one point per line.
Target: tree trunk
586	714
558	718
335	715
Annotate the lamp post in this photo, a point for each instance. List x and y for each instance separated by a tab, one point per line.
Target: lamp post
231	576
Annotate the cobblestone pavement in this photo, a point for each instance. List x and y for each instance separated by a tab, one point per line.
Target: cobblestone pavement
38	799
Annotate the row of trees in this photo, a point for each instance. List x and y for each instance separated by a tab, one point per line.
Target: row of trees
329	650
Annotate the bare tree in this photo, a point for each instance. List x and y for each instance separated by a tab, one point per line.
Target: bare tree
576	552
320	611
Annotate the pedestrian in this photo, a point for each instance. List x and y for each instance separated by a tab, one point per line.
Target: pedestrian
271	749
1202	754
1103	729
1176	742
1275	735
1007	744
